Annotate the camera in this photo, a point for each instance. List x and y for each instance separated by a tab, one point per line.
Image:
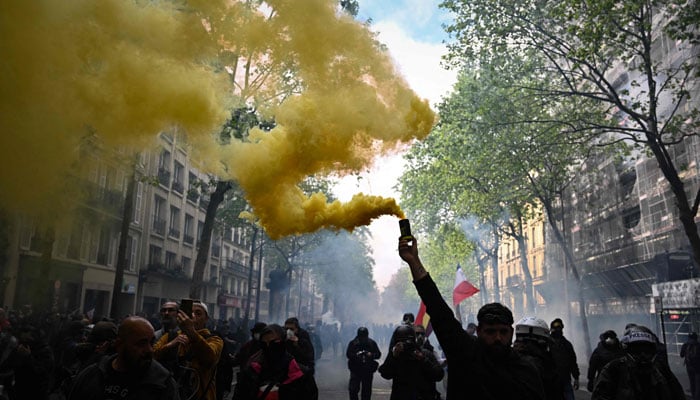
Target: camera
362	356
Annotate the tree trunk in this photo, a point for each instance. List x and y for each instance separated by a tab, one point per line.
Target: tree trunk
251	263
481	262
525	264
115	311
494	268
205	241
44	296
559	237
257	293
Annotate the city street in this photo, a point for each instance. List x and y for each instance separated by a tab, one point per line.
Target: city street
332	379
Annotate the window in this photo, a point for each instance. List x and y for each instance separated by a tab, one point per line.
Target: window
178	170
188	230
159	215
169	260
174	222
138	199
187	265
131	252
154	255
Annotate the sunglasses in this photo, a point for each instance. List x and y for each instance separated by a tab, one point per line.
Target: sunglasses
164	310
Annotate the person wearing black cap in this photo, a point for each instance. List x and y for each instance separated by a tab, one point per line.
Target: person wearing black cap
362	353
484	367
565	358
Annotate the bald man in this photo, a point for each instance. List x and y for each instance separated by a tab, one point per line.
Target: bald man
131	373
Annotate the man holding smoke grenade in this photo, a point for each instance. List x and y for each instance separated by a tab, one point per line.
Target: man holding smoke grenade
362	353
484	367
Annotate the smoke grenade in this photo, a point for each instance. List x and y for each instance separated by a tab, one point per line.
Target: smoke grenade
405	227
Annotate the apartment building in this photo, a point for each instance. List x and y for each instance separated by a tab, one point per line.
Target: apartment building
620	220
69	264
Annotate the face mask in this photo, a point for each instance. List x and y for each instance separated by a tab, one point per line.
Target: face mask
290	333
256	336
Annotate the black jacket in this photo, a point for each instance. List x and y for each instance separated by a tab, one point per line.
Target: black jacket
156	384
359	362
564	357
601	356
471	371
624	379
302	350
542	359
413	376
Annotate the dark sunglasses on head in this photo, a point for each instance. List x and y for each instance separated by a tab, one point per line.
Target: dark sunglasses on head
168	310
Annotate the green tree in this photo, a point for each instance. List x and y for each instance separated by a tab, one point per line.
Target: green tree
633	61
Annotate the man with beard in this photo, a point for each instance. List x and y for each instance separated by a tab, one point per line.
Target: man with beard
168	318
197	352
639	374
129	374
362	353
608	349
272	373
484	367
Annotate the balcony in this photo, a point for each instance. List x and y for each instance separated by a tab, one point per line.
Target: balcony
236	267
204	203
164	177
189	239
178	187
174	233
193	195
159	226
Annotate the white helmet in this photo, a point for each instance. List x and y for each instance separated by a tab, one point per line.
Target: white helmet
532	327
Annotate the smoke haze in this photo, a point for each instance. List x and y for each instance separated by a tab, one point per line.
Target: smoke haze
128	70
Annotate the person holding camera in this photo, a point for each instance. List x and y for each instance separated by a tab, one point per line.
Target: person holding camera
362	353
195	350
412	368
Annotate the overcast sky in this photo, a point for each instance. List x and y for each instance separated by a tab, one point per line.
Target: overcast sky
412	30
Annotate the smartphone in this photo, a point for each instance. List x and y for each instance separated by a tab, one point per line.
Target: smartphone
186	306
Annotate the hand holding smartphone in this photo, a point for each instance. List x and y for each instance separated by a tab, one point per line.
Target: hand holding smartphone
186	307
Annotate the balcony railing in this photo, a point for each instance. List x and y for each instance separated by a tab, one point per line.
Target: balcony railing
177	187
189	239
159	226
164	177
174	233
193	195
236	267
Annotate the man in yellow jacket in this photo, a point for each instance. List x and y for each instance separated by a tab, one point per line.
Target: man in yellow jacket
195	351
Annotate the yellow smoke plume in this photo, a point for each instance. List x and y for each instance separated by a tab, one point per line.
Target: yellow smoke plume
130	69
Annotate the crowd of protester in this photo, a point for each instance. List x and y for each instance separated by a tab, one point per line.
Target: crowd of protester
185	354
